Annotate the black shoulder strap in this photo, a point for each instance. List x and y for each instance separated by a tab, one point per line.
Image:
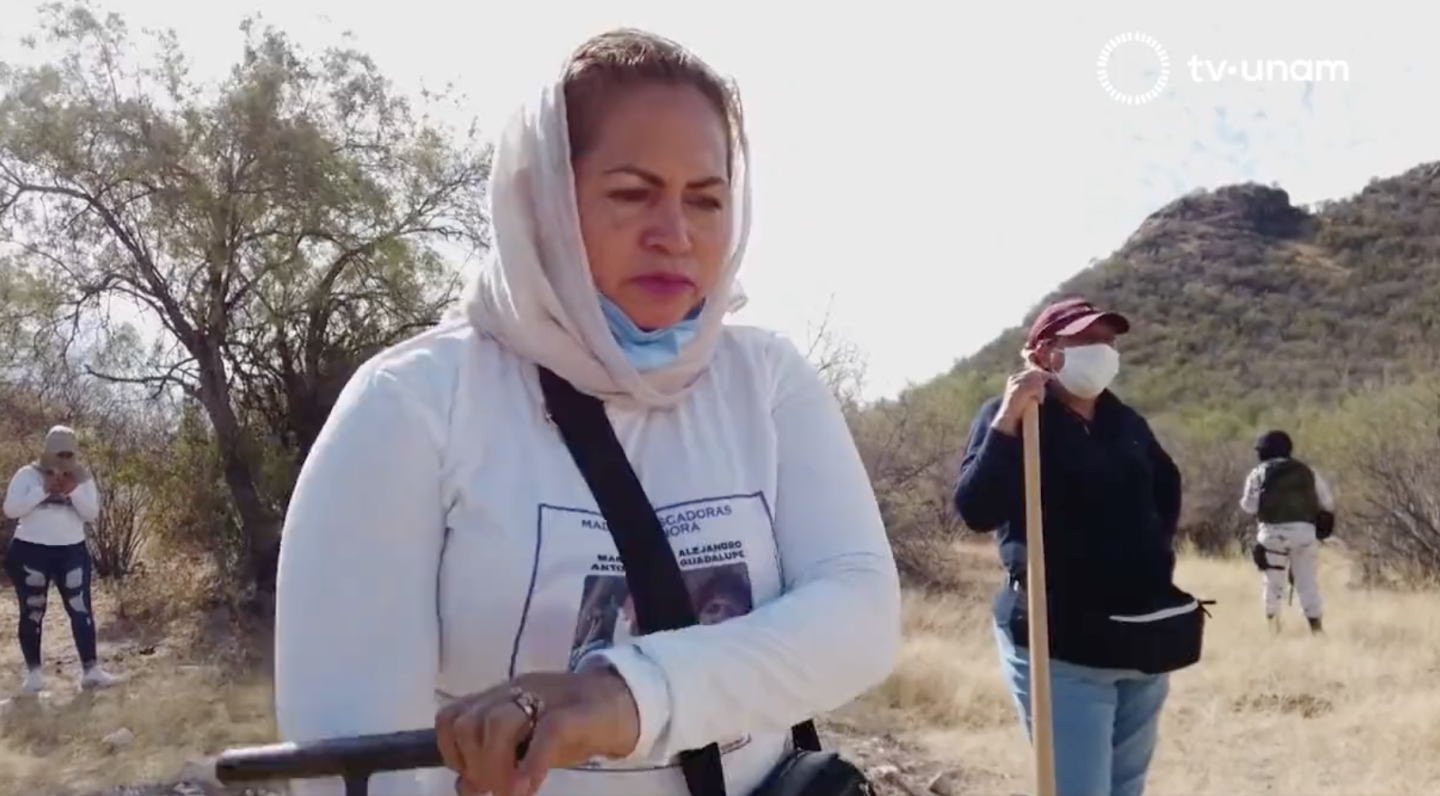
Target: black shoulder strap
662	602
1278	468
1273	469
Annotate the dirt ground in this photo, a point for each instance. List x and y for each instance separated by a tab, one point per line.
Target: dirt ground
1352	712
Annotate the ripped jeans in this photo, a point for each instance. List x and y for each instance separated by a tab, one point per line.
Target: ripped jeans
32	568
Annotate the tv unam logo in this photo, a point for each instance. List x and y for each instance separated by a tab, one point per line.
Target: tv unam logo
1102	68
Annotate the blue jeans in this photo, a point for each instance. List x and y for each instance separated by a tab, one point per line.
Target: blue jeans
1105	721
32	568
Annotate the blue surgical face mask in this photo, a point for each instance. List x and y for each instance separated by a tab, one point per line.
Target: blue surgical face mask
649	350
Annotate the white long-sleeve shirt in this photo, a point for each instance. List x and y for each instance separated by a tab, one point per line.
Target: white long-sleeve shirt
1250	504
441	540
49	523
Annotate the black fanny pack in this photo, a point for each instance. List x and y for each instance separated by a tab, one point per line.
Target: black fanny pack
1166	636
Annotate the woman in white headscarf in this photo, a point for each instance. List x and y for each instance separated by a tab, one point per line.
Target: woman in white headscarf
441	540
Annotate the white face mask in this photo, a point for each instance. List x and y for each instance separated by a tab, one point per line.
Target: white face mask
1088	369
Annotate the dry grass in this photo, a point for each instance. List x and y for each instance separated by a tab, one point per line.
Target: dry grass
188	691
56	746
1351	713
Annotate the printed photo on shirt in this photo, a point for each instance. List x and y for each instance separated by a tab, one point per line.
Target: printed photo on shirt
607	611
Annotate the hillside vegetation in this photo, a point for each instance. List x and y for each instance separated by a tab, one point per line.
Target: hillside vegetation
1243	300
1249	312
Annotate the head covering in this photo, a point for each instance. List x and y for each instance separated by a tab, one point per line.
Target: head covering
1274	444
535	295
58	440
1070	316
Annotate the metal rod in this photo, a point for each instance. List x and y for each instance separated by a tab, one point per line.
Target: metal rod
357	785
354	759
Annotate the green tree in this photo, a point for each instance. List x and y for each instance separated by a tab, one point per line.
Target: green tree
278	227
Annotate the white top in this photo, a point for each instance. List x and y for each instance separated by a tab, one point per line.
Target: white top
49	522
1250	503
440	539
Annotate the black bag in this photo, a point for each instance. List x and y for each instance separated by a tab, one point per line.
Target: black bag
1166	638
662	601
1260	554
1324	525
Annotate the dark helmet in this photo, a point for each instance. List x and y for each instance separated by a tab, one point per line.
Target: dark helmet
1274	445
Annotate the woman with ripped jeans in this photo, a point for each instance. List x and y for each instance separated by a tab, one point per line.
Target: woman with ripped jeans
53	498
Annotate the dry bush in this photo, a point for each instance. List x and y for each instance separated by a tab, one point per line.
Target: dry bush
911	448
1213	474
200	518
175	589
126	459
1397	521
118	533
1388	446
839	361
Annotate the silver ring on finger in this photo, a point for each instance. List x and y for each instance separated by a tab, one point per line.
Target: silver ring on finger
529	704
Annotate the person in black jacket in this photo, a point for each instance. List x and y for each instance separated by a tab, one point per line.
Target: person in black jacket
1111	501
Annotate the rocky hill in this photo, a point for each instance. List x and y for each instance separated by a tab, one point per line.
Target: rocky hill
1243	299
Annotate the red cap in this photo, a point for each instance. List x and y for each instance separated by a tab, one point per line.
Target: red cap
1070	316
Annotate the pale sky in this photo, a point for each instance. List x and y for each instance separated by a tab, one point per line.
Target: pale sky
937	168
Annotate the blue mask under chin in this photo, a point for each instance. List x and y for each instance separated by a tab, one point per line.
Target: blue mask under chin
649	350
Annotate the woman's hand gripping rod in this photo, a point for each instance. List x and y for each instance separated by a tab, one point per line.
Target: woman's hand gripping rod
352	759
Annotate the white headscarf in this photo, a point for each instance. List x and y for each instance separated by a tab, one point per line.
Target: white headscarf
535	294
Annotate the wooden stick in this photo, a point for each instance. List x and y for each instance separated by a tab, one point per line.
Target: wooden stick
1041	729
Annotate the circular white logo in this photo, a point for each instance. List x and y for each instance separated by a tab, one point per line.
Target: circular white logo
1102	68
